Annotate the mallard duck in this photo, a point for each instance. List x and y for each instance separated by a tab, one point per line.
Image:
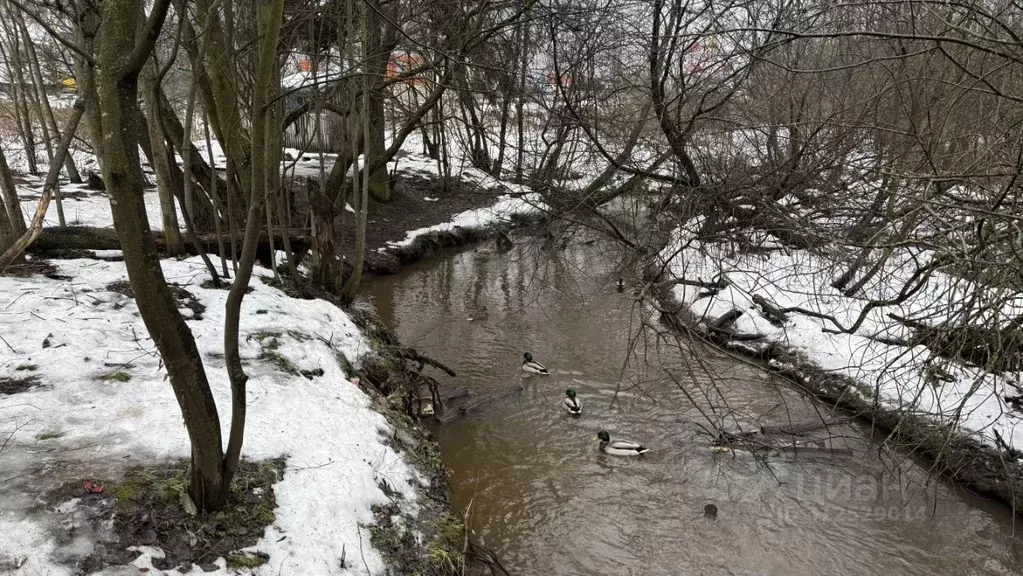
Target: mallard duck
619	447
571	403
481	314
532	366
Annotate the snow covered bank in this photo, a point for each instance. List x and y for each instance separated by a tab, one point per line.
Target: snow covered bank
102	404
889	378
500	213
517	203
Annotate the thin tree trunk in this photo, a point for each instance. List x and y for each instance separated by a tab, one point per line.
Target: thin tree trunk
520	101
271	15
502	134
14	251
69	162
218	209
193	235
275	147
326	272
37	108
21	111
186	145
187	193
161	166
11	200
232	223
675	136
24	125
362	199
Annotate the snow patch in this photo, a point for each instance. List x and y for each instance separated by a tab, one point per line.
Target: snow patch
334	440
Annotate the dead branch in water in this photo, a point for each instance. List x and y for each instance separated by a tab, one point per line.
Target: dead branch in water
412	354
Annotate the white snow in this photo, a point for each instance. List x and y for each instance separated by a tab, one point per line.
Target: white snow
333	438
326	426
500	211
798	278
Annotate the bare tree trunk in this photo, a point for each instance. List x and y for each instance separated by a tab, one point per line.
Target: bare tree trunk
232	222
326	271
502	134
521	100
218	208
33	59
14	251
672	132
187	201
121	60
362	200
21	110
37	107
201	170
7	235
270	17
160	162
379	184
377	54
275	147
11	200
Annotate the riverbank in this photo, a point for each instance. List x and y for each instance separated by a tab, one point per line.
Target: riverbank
954	413
84	403
425	212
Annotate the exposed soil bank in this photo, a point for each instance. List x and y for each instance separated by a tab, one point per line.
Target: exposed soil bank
969	463
435	541
419	202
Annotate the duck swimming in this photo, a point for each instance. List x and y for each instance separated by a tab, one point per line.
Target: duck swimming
481	314
532	366
619	447
571	403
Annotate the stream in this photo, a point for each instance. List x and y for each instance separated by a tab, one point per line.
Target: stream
548	502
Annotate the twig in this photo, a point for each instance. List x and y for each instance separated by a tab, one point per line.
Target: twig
18	298
716	285
13	432
359	530
411	354
8	345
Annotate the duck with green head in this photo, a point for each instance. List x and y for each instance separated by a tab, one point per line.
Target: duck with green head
571	403
532	366
619	447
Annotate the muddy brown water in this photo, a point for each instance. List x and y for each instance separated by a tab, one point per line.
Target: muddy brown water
540	494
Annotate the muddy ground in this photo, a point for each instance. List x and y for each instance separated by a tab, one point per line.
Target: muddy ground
410	210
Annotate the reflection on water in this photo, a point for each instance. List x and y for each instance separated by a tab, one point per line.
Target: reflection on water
548	502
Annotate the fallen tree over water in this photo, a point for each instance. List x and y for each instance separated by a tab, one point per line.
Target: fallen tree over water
955	453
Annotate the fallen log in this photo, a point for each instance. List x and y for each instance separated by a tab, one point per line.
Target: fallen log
720	329
56	239
722	322
800	429
770	310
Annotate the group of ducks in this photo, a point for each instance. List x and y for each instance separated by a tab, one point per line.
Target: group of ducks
574	406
